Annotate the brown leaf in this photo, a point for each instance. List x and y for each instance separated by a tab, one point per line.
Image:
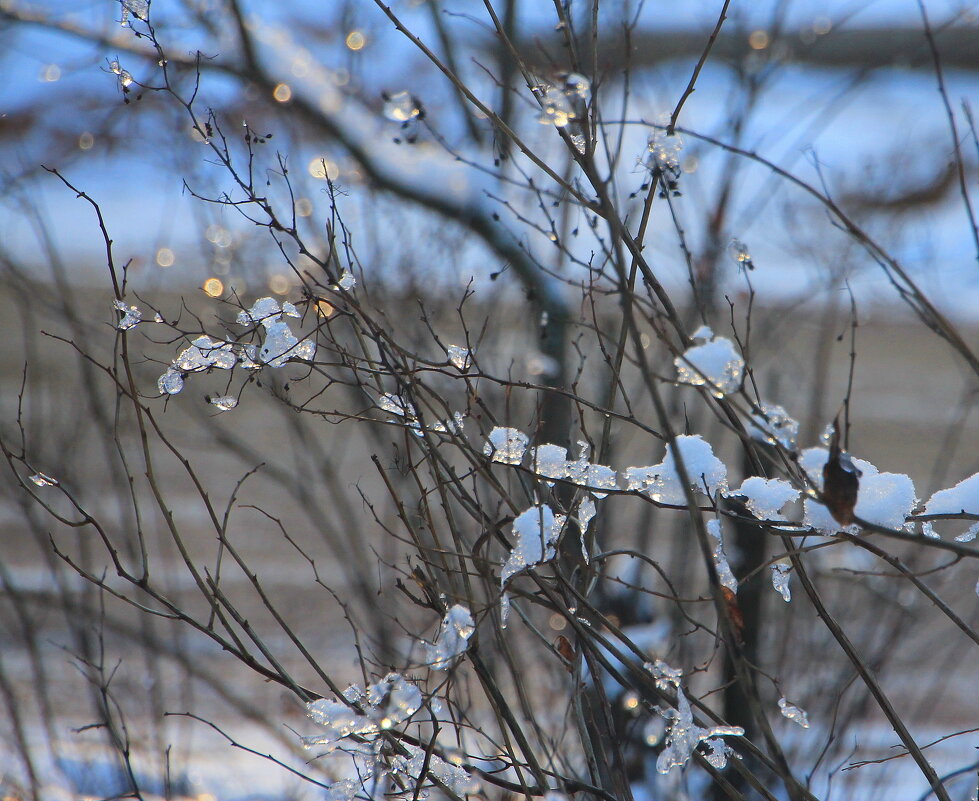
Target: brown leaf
564	648
841	482
734	611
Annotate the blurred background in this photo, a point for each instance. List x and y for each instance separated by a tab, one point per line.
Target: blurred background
843	96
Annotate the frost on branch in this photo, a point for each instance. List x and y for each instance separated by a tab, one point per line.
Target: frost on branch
506	445
454	778
716	364
453	640
385	704
662	483
684	736
765	497
724	574
772	424
780	578
535	531
885	499
280	343
963	498
793	713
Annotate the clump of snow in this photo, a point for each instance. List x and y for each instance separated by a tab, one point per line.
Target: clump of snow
385	704
506	445
550	461
793	713
684	736
963	498
884	499
772	424
724	574
765	497
536	530
662	482
453	640
716	364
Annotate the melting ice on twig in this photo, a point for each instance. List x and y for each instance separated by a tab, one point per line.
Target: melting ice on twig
42	480
225	402
684	736
454	778
772	424
724	574
963	498
453	639
781	570
793	713
131	315
385	704
536	530
125	79
460	357
280	344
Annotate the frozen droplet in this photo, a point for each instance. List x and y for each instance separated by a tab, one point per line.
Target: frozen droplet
740	253
347	281
131	315
460	357
506	445
577	84
157	318
781	571
42	480
793	713
401	107
716	364
171	382
721	565
225	402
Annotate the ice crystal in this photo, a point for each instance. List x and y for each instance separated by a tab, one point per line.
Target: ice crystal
280	344
535	531
716	362
684	736
395	404
225	402
125	79
453	640
460	357
347	281
506	445
586	512
793	713
740	253
171	382
401	107
664	152
774	425
550	461
454	778
138	9
42	480
385	704
765	497
781	571
666	677
662	482
131	315
724	574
